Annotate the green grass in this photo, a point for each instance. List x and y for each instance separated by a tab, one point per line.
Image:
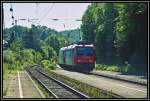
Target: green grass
91	91
5	90
114	68
6	71
10	68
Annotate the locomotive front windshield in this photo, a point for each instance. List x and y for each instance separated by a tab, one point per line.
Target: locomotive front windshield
85	51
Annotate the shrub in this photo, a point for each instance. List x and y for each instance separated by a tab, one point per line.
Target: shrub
9	56
101	67
45	63
6	70
51	66
113	68
48	64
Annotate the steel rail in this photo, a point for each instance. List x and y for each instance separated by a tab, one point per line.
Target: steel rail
72	91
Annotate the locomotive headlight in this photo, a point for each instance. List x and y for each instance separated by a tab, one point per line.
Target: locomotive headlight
79	60
90	61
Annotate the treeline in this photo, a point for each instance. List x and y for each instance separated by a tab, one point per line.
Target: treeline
119	32
35	45
72	35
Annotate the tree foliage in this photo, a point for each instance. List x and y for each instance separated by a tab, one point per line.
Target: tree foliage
32	45
118	31
72	35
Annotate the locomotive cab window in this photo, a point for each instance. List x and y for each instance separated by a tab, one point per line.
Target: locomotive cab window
85	51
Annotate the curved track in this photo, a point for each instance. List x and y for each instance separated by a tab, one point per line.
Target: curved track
57	88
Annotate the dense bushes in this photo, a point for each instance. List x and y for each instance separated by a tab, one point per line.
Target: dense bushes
47	64
34	45
124	69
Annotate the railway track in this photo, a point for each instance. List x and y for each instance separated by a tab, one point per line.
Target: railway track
57	88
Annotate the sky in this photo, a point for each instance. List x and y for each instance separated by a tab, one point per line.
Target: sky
45	12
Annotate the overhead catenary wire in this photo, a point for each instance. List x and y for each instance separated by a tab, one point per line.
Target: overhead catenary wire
15	21
47	12
37	12
32	22
64	25
37	6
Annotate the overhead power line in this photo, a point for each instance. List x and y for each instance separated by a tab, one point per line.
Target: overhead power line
29	20
37	11
47	12
55	19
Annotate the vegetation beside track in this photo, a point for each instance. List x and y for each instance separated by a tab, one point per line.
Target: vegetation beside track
123	69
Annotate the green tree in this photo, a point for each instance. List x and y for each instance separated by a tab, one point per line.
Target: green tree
9	56
88	24
119	32
30	39
28	55
109	31
132	33
54	42
99	28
